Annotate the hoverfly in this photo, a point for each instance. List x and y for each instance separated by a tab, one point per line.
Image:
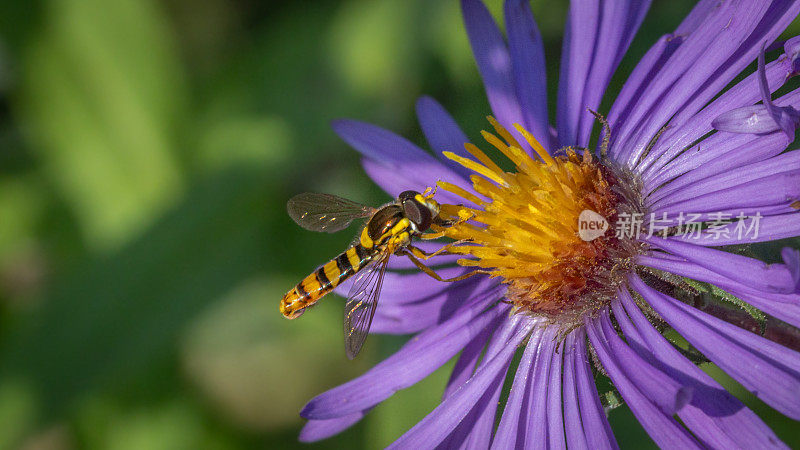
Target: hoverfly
388	231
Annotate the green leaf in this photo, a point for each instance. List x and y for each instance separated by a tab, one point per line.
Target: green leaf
102	91
242	354
119	314
22	203
370	45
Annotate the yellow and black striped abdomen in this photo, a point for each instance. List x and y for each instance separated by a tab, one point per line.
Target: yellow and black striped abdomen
324	280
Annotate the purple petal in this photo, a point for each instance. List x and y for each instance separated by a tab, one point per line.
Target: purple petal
401	288
536	426
731	177
696	16
315	430
715	416
396	154
587	67
784	118
662	428
720	217
576	439
512	429
674	161
716	154
759	275
775	186
441	421
701	53
494	62
379	144
711	56
791	257
536	429
666	159
466	363
636	84
544	426
769	370
754	119
785	307
689	127
417	359
646	69
665	392
781	188
619	22
415	317
529	68
768	228
475	430
792	49
681	136
394	180
595	424
682	267
580	35
442	132
555	419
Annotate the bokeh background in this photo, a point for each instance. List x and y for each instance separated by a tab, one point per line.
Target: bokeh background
147	150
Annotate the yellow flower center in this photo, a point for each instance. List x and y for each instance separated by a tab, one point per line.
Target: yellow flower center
526	228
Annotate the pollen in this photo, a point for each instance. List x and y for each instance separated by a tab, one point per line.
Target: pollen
524	226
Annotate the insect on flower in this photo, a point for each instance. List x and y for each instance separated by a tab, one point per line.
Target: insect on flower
684	143
388	231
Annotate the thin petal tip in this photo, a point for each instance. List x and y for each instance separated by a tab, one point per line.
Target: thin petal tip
308	411
425	101
341	125
791	257
792	49
308	435
683	397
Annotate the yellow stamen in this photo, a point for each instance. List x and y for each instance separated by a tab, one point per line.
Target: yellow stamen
472	165
503	132
537	147
461	192
527	232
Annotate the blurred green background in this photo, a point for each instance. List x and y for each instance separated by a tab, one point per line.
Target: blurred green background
147	150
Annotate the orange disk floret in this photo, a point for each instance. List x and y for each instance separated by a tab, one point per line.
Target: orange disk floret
525	229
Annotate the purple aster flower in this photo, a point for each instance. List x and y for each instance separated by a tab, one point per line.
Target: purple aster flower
680	142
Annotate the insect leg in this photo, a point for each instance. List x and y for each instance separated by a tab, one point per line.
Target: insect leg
422	254
446	224
429	236
651	144
606	132
430	192
433	274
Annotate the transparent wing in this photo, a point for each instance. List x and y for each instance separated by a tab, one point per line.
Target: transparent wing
325	212
361	303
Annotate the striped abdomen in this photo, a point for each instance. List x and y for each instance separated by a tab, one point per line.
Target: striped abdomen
324	280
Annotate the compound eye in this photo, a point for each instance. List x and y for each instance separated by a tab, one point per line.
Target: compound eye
417	213
407	195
